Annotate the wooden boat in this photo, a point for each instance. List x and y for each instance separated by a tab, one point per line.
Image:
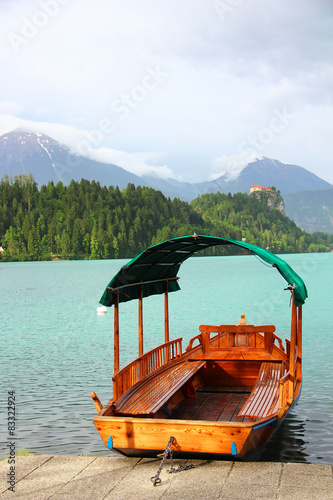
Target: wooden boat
225	394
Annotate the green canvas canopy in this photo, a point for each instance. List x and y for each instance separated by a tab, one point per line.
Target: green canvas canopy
147	273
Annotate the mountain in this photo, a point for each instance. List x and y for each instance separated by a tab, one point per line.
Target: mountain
311	210
24	152
265	172
29	152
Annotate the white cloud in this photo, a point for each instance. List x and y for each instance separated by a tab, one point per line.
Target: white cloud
65	134
226	76
82	142
10	108
232	166
137	163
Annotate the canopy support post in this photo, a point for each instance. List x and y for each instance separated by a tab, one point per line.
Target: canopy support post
140	323
293	340
299	332
166	313
116	333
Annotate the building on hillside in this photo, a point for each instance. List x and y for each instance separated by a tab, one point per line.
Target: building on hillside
256	187
269	195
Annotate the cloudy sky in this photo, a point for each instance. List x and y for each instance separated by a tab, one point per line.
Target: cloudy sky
184	88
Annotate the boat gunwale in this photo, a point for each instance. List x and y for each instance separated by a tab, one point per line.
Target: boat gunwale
193	423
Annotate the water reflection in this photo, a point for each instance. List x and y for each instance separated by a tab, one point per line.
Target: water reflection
288	444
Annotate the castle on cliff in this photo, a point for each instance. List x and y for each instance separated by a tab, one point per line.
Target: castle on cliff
256	187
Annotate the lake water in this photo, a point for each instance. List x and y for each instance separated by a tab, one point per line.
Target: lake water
56	349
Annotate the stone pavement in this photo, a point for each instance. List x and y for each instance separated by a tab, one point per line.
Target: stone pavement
58	477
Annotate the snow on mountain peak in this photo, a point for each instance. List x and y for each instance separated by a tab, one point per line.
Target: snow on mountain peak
232	166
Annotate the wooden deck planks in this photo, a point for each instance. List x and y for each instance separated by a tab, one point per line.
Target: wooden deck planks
242	401
231	408
220	405
190	407
211	406
205	409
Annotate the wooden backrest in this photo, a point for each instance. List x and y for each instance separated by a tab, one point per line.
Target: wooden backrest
241	335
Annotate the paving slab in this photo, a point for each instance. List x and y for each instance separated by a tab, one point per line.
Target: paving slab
97	480
22	466
307	469
245	491
60	477
257	473
138	482
306	493
205	480
48	478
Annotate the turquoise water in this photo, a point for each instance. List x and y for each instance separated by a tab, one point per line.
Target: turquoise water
56	349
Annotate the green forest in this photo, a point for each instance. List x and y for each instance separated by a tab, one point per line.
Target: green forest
85	220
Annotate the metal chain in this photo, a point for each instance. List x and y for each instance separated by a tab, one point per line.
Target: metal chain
156	479
168	452
180	468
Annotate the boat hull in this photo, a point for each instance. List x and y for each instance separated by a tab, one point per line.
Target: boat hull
147	437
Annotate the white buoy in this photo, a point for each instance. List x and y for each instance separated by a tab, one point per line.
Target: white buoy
101	309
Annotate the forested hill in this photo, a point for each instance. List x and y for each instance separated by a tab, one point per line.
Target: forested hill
86	220
244	216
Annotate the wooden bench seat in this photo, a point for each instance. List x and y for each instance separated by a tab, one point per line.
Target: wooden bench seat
264	398
234	354
149	395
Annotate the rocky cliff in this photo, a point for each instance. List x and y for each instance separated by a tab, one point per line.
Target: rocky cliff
272	199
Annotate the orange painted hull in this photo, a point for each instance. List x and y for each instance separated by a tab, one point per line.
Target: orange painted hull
149	436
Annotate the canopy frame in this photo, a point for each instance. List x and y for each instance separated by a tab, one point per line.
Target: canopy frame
161	262
154	271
